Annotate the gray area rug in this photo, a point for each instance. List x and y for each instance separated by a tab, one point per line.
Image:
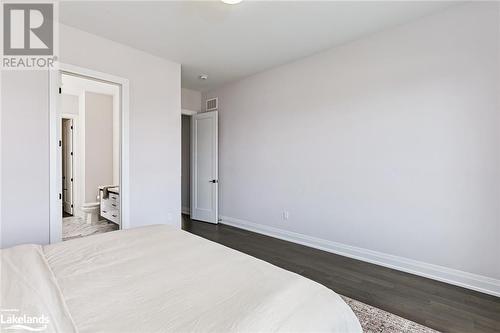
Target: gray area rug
374	320
75	227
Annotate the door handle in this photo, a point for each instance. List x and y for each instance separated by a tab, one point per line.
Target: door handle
214	181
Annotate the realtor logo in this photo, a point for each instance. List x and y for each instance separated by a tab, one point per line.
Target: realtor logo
15	320
28	29
29	35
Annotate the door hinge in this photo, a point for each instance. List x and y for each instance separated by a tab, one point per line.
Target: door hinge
71	153
71	179
60	90
71	126
60	196
60	143
71	205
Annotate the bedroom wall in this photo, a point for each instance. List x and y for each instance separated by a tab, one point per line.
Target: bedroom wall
191	99
155	126
385	149
24	160
155	120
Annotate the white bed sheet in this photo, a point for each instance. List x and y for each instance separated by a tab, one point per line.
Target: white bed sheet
159	279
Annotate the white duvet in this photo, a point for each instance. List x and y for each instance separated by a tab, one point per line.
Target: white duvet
159	279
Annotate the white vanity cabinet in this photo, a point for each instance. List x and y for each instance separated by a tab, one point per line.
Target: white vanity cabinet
110	206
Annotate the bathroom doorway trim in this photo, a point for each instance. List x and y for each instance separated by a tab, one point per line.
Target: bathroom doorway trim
55	202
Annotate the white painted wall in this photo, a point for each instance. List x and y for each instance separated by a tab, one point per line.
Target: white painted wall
24	158
98	143
69	104
191	99
388	144
155	132
155	125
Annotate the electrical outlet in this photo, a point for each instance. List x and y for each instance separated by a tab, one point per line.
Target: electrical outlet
285	215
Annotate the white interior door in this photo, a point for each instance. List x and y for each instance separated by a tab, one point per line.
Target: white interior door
67	165
204	167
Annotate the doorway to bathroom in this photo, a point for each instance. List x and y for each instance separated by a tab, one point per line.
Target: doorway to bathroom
90	132
67	149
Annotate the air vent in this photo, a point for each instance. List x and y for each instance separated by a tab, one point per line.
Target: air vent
212	104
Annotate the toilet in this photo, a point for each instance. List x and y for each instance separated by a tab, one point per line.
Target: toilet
91	212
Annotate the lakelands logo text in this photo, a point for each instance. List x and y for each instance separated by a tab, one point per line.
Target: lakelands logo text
28	36
12	319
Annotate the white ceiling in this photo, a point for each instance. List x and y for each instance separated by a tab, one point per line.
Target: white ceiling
229	42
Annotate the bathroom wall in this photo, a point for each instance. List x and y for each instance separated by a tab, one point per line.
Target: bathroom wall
98	143
69	104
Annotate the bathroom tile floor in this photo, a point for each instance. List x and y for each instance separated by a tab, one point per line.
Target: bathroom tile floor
75	227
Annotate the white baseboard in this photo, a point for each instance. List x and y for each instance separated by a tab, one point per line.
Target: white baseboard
440	273
186	210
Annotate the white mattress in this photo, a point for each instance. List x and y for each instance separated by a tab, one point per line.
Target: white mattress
159	279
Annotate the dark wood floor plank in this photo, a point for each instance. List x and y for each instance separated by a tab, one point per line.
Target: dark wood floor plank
444	307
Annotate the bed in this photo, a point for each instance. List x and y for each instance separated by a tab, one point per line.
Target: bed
160	279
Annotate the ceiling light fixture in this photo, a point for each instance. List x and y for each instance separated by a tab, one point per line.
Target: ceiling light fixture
231	2
203	77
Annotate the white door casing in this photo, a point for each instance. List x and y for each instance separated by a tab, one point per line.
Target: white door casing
204	167
67	164
55	206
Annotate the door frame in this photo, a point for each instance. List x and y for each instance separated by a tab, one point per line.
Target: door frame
187	113
55	176
194	157
76	151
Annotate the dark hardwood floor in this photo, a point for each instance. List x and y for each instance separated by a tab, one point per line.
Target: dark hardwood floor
431	303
